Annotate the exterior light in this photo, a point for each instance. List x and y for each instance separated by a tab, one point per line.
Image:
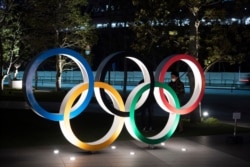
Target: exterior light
132	153
173	33
183	149
87	50
234	19
205	114
56	151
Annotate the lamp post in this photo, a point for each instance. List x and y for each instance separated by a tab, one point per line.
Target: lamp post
87	50
87	54
16	65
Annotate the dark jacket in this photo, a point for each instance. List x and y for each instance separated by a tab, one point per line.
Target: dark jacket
178	87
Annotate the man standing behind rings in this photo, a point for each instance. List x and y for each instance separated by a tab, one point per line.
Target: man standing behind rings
177	85
179	89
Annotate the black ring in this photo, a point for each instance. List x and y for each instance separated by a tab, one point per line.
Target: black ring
101	73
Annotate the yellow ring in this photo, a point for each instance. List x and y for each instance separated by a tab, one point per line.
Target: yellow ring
110	136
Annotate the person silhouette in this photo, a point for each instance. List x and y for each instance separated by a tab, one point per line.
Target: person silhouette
146	112
177	85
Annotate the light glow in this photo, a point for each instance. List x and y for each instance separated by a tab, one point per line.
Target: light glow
183	149
205	114
113	147
132	153
56	151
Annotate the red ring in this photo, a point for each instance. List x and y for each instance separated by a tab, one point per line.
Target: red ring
199	84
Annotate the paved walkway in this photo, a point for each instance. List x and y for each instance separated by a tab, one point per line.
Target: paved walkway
201	151
176	152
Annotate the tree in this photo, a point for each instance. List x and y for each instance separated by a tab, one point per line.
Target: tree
163	24
227	43
10	35
215	46
150	26
218	45
58	23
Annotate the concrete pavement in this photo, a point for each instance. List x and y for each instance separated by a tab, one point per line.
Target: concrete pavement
200	151
203	151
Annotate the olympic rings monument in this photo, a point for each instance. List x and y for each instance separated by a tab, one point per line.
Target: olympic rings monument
79	97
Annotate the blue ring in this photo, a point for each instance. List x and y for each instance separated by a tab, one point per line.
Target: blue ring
29	74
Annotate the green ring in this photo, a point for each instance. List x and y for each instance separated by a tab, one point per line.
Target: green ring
168	134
